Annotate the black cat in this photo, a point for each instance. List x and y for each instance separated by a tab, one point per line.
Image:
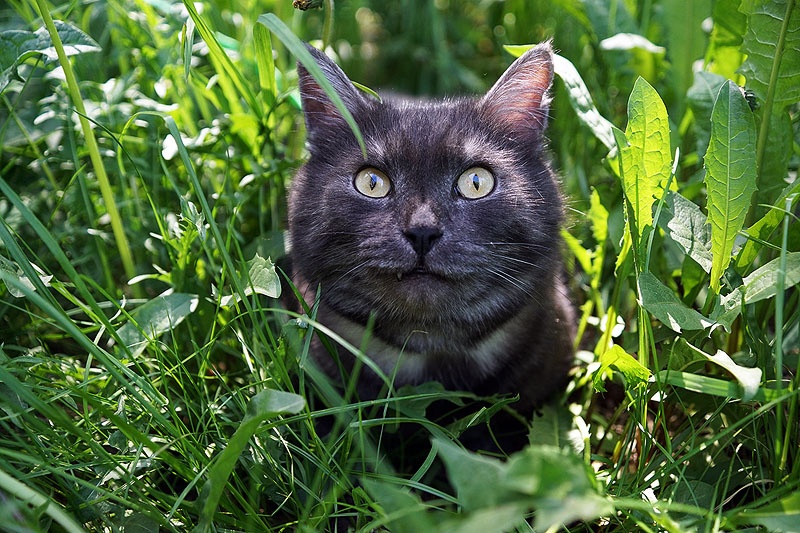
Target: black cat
445	239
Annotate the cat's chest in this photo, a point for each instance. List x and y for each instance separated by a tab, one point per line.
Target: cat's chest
424	354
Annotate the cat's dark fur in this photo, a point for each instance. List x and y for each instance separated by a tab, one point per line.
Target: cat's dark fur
466	292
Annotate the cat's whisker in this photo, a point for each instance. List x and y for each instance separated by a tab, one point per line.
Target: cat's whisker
347	273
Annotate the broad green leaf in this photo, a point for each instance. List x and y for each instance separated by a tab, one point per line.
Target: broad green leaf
730	174
683	221
759	285
660	301
772	69
552	480
155	318
634	372
263	280
701	97
748	378
554	426
477	479
772	45
298	49
264	405
646	160
559	483
18	45
498	518
403	511
781	515
763	229
724	54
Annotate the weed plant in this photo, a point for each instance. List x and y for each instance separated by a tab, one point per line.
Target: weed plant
150	380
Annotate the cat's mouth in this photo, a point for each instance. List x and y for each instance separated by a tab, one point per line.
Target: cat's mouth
418	272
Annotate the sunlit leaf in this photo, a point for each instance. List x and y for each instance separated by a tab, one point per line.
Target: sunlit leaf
634	372
630	41
647	158
298	49
768	29
581	101
772	70
18	45
154	318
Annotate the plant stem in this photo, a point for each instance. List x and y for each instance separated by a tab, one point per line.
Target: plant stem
327	26
763	132
781	446
91	144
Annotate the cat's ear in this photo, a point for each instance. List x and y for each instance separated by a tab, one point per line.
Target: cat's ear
318	108
521	98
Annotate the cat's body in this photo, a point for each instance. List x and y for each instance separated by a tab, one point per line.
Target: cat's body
441	248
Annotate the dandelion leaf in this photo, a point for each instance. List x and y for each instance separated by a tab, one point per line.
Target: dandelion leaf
730	174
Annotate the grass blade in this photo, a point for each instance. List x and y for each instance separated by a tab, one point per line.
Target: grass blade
91	145
298	49
264	405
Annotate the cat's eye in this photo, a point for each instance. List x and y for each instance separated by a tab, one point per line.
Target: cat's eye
372	182
475	183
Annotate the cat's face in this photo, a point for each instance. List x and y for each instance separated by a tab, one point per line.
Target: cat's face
451	221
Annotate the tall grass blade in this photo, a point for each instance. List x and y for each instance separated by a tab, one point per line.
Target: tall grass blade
298	49
91	144
231	80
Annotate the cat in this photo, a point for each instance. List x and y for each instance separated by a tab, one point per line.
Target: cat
441	247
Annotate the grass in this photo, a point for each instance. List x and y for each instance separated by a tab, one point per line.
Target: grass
149	379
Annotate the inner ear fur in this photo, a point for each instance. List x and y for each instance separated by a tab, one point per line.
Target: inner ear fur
521	97
318	108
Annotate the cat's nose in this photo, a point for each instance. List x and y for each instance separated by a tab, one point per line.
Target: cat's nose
422	238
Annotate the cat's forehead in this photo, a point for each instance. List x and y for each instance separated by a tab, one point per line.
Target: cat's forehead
406	132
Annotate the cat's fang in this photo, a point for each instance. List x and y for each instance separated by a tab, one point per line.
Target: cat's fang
399	276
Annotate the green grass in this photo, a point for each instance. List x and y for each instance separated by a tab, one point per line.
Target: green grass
150	380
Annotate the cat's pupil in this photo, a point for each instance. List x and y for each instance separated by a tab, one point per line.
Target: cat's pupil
373	181
476	181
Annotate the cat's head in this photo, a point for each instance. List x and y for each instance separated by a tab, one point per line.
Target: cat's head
451	220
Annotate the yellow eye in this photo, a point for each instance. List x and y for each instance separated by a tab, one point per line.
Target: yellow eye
372	182
475	183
